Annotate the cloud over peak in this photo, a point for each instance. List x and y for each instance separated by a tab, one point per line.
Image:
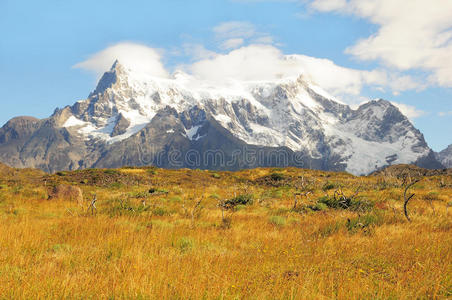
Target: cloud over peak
255	62
138	57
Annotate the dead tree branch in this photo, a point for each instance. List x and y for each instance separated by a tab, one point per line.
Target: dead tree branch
407	199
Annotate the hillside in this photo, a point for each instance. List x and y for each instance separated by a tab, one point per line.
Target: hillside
412	170
159	234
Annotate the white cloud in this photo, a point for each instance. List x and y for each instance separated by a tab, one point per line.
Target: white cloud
137	57
232	43
409	111
265	39
328	5
265	62
234	34
414	34
197	51
234	29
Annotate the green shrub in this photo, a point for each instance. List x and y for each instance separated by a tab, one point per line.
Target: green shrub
215	196
185	244
330	229
320	206
329	186
244	199
277	176
139	195
240	207
277	220
431	196
175	199
216	176
365	222
277	194
61	247
158	191
151	171
116	185
111	172
121	207
160	211
345	203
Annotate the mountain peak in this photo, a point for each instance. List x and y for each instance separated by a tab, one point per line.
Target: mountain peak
116	74
117	67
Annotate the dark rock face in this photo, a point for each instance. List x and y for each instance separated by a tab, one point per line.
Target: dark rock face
18	129
121	126
445	157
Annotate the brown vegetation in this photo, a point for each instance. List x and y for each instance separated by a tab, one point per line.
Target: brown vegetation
192	234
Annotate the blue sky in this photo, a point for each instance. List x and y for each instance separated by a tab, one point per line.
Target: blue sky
42	41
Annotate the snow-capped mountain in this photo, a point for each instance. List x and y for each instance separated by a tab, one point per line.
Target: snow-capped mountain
133	119
445	157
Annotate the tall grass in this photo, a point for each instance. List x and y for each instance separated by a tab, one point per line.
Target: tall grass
55	249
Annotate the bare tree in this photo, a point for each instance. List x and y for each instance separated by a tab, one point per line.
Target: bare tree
407	199
92	206
344	201
302	189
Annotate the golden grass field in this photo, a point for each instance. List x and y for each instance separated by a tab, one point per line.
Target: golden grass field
174	243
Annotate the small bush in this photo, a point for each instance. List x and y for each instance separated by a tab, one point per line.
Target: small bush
431	196
139	195
112	172
329	186
121	207
244	199
345	203
61	247
157	191
319	206
240	207
151	171
216	176
214	196
160	211
330	229
277	220
185	244
175	199
275	176
116	185
365	222
277	194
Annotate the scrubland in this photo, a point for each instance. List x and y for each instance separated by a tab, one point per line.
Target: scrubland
195	234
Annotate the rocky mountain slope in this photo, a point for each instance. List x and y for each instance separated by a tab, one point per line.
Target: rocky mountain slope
445	157
133	119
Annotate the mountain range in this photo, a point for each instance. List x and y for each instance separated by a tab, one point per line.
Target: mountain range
135	119
445	157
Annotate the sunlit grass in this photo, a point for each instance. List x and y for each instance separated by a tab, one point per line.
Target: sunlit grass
163	245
